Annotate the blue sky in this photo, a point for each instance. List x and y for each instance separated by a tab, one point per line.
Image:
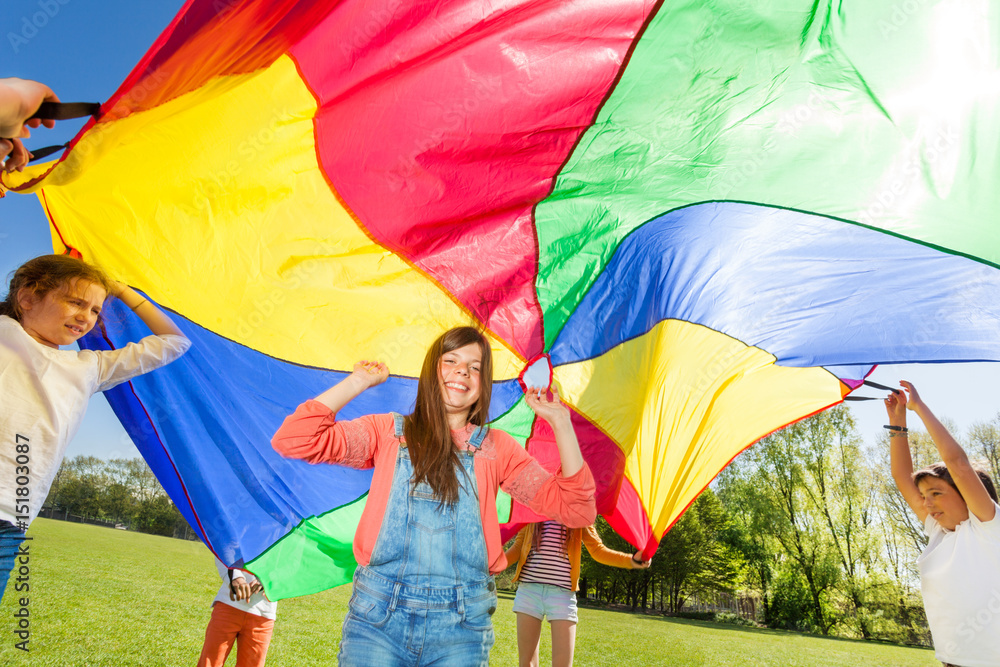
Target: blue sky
83	49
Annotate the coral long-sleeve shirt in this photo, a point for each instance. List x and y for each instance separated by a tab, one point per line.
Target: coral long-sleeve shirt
313	434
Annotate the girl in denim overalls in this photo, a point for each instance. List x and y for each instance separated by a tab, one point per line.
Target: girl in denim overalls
428	542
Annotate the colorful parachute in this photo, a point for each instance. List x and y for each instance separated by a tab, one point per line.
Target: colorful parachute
705	219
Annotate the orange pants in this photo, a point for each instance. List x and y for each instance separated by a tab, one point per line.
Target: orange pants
251	633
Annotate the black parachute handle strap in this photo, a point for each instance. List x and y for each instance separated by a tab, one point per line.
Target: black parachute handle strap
61	111
874	385
66	110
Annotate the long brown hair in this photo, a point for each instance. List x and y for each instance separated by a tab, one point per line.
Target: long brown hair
46	273
427	433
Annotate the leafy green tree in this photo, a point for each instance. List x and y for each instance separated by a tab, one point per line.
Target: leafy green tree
157	515
80	495
779	469
749	533
792	605
117	502
694	557
839	487
121	490
79	485
984	443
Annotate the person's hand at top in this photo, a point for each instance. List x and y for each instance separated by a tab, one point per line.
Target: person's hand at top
370	373
913	402
895	407
551	410
19	99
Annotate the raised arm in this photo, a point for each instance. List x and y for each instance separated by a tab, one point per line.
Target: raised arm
366	374
312	432
154	318
568	499
555	412
900	458
954	457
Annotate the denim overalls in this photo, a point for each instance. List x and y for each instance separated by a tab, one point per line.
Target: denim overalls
426	596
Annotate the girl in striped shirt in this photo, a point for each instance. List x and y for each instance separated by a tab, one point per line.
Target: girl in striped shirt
548	573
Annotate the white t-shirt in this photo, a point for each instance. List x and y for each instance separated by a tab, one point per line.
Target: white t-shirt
257	604
44	393
960	581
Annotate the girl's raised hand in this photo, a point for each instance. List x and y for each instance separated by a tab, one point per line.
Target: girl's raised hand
555	412
366	374
115	288
895	406
20	99
914	402
551	410
19	155
370	373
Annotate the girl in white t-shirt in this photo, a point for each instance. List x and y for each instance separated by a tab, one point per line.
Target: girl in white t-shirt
960	567
53	301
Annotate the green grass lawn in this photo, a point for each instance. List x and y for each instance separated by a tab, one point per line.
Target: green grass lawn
109	597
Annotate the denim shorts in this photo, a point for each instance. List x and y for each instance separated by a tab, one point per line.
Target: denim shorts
541	600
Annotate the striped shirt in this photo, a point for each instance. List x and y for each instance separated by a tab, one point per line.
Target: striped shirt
549	563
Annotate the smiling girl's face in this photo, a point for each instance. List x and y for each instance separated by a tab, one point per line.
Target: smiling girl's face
458	371
62	316
943	502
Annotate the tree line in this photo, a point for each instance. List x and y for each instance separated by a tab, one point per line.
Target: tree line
119	490
809	525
